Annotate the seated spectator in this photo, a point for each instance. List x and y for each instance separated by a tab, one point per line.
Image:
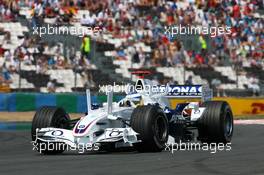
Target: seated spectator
5	74
51	86
42	66
2	50
60	63
135	57
216	86
254	85
51	62
199	60
28	59
142	57
189	80
1	77
121	55
87	21
89	80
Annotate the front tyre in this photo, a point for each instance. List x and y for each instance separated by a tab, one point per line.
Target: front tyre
49	116
152	126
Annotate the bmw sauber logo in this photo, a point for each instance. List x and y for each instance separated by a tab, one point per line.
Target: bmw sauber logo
81	126
57	133
115	133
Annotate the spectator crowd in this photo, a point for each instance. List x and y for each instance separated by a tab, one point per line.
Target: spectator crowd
143	21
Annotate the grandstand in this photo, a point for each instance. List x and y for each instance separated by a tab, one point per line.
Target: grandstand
132	36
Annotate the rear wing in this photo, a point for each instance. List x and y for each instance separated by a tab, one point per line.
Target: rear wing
190	91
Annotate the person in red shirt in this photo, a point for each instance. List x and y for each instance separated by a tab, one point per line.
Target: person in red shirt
211	4
236	11
247	10
199	59
165	40
2	50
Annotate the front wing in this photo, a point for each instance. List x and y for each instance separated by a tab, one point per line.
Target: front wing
123	136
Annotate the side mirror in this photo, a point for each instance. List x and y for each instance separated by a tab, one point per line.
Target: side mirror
95	106
112	117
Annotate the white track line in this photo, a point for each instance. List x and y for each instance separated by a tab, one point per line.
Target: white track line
249	122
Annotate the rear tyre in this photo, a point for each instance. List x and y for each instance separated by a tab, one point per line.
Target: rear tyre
152	125
216	125
49	116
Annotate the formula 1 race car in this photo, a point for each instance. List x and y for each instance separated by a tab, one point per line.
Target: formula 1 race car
142	120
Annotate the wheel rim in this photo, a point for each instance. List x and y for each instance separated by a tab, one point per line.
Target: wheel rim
161	128
228	125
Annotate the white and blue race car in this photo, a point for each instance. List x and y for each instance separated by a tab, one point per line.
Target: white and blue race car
142	120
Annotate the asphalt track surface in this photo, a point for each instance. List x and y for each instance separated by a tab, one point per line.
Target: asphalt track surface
246	157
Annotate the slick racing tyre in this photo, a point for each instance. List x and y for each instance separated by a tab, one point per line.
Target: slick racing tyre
49	116
216	124
152	125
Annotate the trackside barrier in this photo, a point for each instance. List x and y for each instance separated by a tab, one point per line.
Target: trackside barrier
76	103
72	103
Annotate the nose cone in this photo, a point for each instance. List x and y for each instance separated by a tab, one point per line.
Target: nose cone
81	127
84	125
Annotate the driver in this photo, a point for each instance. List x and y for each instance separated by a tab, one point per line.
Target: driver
125	103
